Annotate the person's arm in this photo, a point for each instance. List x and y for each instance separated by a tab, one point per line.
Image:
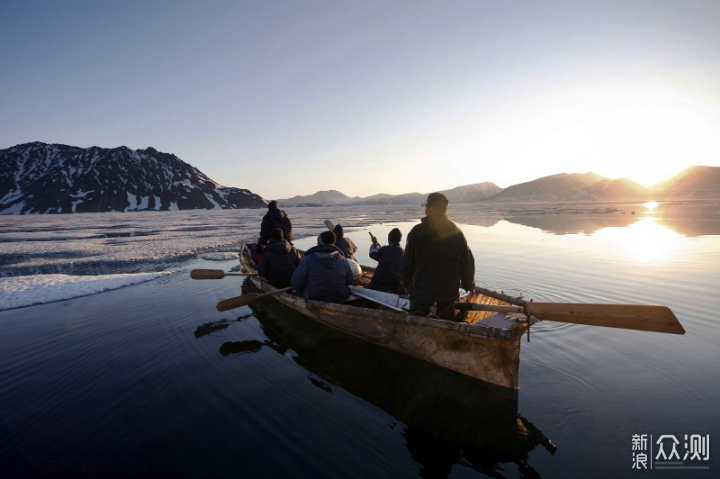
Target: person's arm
374	249
467	266
299	277
264	266
408	262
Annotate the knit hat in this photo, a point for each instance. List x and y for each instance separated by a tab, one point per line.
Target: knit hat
394	236
436	199
339	232
326	237
272	205
277	234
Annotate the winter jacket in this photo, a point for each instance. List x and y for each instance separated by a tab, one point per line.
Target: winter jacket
278	262
275	218
323	275
437	260
387	274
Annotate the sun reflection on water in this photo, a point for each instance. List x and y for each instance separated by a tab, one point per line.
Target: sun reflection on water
644	241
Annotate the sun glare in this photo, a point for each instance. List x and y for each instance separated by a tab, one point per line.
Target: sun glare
645	241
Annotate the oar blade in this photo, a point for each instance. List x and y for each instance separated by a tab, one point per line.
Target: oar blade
624	316
207	274
236	302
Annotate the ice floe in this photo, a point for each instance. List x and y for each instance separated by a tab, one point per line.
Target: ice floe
20	291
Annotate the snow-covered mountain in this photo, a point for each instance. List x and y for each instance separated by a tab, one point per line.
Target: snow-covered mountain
50	178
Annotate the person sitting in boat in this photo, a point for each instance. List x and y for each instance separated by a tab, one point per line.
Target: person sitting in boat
323	273
279	260
437	260
346	245
387	275
274	218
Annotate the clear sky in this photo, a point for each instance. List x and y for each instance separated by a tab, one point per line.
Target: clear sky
366	97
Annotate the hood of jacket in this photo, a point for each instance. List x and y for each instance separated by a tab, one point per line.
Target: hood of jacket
279	247
327	254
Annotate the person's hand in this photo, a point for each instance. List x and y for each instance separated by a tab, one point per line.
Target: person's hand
374	239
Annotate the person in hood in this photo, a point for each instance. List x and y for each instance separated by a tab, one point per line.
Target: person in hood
387	275
279	260
323	273
436	261
274	218
346	245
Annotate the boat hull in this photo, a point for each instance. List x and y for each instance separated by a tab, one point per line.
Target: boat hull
488	349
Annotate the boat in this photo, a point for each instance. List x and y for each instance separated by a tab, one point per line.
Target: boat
484	345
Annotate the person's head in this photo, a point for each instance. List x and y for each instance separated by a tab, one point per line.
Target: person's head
339	232
326	237
394	236
272	205
277	235
436	204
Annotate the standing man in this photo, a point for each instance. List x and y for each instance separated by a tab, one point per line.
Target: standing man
436	261
274	218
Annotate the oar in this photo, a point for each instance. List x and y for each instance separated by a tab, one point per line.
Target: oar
214	274
624	316
245	299
329	225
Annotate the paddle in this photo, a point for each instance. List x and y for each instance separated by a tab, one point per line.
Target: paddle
214	274
329	225
624	316
245	299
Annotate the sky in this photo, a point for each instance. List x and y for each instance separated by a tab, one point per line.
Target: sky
292	97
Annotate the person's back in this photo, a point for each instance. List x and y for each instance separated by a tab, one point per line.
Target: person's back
279	260
323	274
346	245
274	218
387	276
436	260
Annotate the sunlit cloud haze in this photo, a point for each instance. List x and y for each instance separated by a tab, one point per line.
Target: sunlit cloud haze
288	98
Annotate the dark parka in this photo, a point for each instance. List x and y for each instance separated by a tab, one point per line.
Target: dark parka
278	262
436	261
275	218
323	275
387	275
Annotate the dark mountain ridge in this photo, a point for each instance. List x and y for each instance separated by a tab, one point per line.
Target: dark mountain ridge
52	178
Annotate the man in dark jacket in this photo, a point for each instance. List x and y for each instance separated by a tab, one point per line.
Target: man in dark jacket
346	245
279	260
274	218
436	261
323	274
387	274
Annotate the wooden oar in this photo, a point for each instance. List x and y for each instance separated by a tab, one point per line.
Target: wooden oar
214	274
245	299
329	225
624	316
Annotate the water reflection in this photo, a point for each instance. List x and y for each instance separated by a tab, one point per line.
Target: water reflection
688	219
645	241
445	418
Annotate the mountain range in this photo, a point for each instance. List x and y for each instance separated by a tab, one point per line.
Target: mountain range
49	178
695	182
52	178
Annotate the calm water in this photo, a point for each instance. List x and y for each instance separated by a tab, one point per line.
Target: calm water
128	383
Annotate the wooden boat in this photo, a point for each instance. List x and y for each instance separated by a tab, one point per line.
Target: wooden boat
485	345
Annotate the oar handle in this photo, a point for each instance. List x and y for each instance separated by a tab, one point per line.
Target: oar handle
238	301
214	274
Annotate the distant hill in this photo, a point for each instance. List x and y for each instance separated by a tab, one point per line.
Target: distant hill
50	178
324	198
551	188
472	193
693	182
617	189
